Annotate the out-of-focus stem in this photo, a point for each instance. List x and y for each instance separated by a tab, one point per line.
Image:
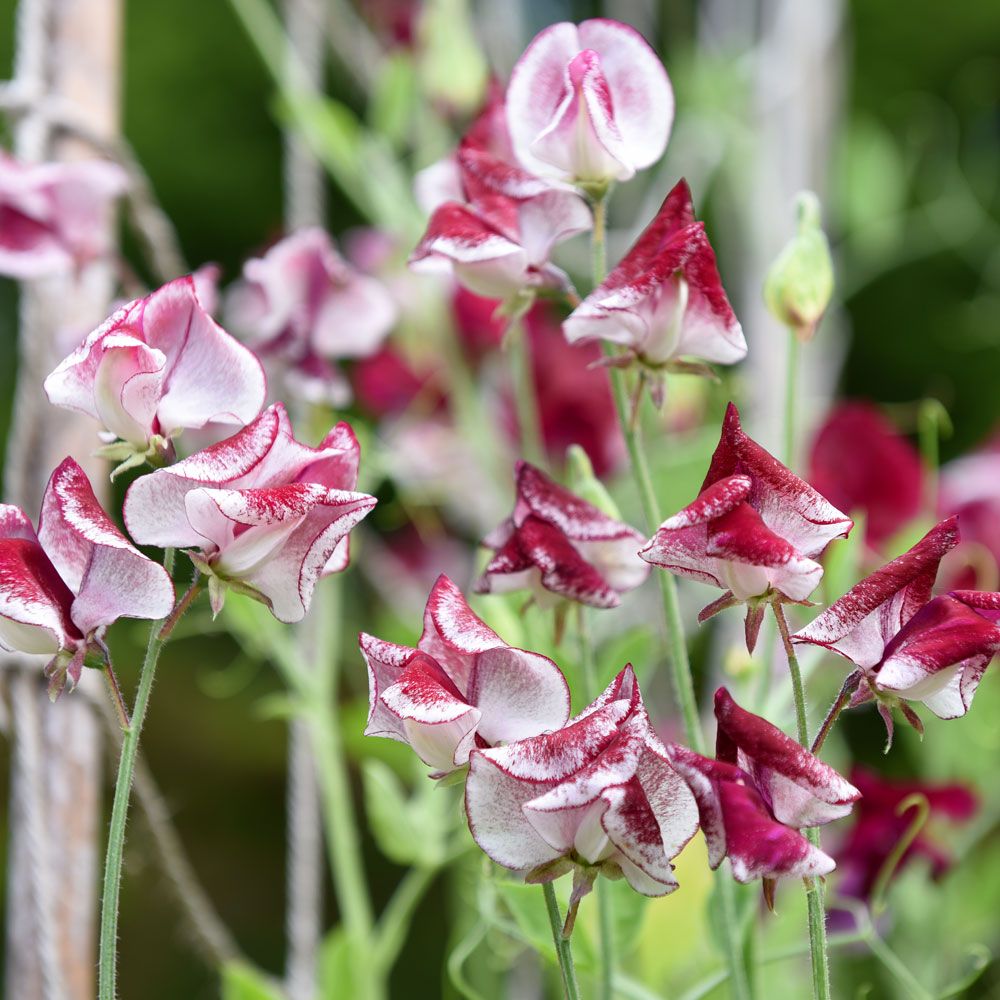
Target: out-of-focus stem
791	396
522	375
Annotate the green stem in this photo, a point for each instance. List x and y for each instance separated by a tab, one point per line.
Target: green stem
398	915
341	824
791	396
108	956
602	889
522	373
814	886
564	951
680	666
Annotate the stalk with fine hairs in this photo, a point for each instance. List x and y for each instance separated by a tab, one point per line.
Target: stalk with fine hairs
680	666
107	963
567	969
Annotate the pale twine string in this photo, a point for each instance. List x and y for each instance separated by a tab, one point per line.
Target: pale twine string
305	205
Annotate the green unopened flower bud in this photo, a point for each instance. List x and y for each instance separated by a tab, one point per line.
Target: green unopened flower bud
585	483
799	285
452	67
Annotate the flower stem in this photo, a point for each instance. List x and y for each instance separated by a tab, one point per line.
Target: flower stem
680	666
814	886
840	703
107	967
117	698
522	372
564	951
791	396
602	889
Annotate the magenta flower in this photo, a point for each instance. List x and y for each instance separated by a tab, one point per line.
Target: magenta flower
797	787
879	826
738	824
556	543
598	796
62	588
589	103
262	513
905	645
156	366
53	216
665	300
462	687
755	530
860	462
303	305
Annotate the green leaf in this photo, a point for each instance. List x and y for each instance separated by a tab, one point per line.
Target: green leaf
243	982
410	830
392	106
335	968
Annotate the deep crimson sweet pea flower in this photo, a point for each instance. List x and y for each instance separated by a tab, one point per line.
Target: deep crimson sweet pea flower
53	215
798	788
738	824
461	687
302	306
879	826
386	384
156	366
61	588
589	103
597	796
905	645
557	543
755	530
860	462
262	513
665	300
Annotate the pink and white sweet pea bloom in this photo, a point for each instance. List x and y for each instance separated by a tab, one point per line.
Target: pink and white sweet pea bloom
53	216
156	366
589	103
461	687
665	300
755	530
556	543
905	645
739	825
798	788
262	513
498	240
304	306
598	796
61	588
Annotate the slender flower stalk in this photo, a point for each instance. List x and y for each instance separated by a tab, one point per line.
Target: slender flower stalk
107	967
564	952
679	663
814	887
791	397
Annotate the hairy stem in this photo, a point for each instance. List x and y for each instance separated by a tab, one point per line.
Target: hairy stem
680	666
564	952
814	886
107	965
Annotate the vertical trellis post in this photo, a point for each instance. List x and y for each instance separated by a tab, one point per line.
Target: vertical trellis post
67	51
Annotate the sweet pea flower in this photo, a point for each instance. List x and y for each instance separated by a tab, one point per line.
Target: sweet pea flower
970	488
755	531
53	215
664	302
557	543
589	103
263	514
461	687
905	645
798	788
497	241
879	826
860	462
598	796
154	367
61	588
303	306
738	823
